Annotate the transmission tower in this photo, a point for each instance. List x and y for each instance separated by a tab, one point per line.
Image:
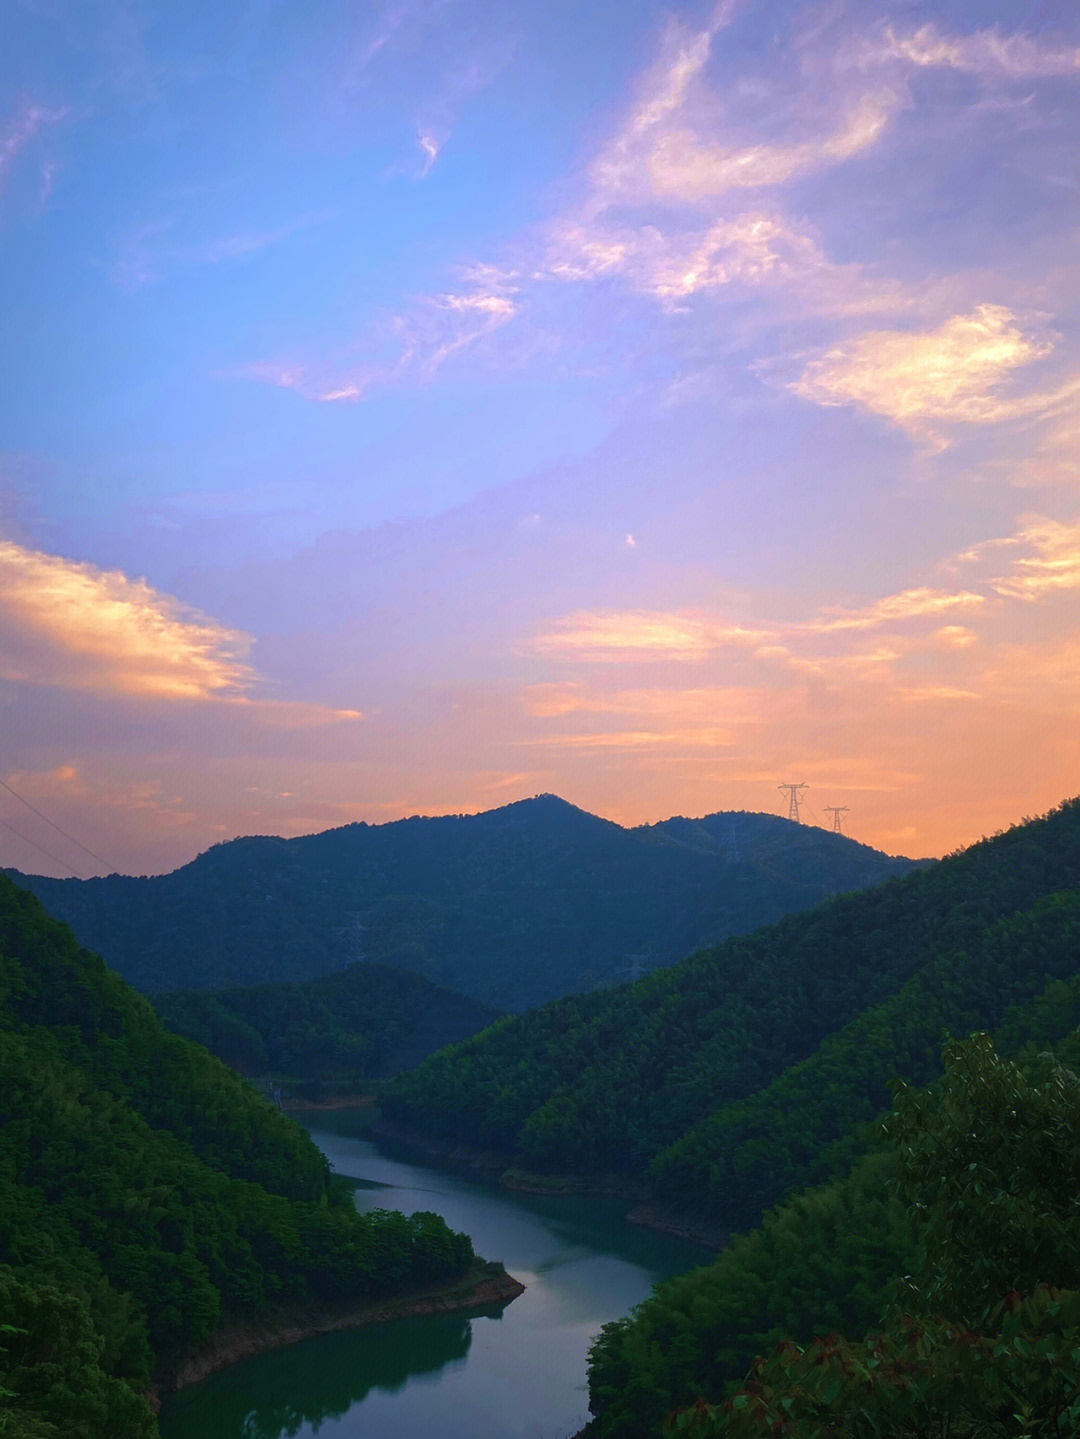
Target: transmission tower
836	810
794	791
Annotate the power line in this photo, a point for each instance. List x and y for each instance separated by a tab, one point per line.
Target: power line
34	845
33	808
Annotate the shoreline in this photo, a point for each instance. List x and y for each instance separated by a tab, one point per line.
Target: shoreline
485	1284
502	1170
343	1101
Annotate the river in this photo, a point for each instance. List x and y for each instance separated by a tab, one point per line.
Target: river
518	1374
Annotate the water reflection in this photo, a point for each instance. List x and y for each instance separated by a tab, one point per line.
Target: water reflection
319	1379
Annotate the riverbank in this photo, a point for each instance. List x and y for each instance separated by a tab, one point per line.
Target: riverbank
502	1170
341	1101
485	1284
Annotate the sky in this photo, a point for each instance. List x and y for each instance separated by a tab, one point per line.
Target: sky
411	407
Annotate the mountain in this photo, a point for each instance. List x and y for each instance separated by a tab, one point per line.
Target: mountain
750	1069
149	1195
514	907
339	1032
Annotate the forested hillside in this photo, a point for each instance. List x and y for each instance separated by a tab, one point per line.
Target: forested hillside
831	1259
514	907
746	1072
334	1034
148	1194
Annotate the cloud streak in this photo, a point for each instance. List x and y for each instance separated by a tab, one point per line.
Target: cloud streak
987	53
640	635
20	131
146	256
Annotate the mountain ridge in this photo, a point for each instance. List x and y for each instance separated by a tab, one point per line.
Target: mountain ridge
514	906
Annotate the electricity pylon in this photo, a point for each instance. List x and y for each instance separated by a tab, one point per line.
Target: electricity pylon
836	810
794	791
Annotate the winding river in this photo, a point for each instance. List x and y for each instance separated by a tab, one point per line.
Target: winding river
484	1374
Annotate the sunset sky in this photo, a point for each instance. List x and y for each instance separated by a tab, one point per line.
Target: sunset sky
412	407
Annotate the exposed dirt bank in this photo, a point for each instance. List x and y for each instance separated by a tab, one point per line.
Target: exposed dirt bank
485	1284
502	1169
681	1226
342	1101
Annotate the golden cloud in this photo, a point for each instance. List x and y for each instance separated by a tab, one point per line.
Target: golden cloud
915	603
951	373
1051	564
72	624
661	154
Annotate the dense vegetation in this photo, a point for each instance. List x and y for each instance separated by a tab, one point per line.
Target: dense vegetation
984	1341
147	1194
748	1071
335	1034
827	1260
514	907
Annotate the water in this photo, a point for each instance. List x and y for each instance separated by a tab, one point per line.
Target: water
514	1374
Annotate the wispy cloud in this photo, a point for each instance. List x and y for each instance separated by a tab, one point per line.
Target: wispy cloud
149	252
687	203
918	603
640	635
1051	562
409	347
986	53
17	133
690	148
439	115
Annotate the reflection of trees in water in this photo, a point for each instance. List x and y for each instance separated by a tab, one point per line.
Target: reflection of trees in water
273	1396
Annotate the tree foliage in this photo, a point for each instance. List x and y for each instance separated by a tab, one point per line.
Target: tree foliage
337	1033
984	1342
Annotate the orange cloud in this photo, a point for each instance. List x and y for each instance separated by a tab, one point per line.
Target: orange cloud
641	635
908	604
74	625
1052	564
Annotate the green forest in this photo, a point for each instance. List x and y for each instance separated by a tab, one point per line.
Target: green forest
148	1195
334	1035
752	1069
513	907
